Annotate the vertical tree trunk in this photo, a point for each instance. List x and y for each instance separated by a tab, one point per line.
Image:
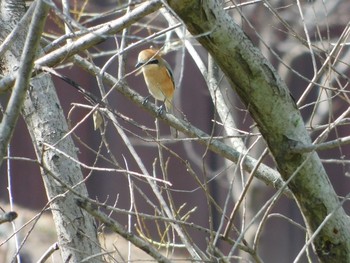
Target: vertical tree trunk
47	126
46	123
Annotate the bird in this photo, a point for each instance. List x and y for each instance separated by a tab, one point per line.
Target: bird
159	79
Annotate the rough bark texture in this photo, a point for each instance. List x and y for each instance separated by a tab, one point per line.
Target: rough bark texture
270	104
46	123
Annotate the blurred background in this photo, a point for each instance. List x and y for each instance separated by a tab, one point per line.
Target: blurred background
281	43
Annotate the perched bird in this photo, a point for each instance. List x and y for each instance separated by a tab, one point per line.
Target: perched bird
159	79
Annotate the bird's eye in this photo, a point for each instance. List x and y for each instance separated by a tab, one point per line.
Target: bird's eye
152	61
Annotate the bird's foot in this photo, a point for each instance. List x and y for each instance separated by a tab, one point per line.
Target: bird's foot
161	110
146	100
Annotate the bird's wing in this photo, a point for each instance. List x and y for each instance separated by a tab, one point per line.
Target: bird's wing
169	71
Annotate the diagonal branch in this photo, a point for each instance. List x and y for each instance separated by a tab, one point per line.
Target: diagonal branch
86	41
270	104
263	172
98	35
23	76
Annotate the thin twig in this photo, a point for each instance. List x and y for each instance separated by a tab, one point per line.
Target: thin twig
118	228
48	253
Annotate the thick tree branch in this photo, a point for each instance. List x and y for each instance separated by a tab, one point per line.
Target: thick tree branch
270	104
23	76
99	35
86	41
46	123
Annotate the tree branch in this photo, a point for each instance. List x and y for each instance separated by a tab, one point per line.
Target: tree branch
263	172
270	104
23	76
118	228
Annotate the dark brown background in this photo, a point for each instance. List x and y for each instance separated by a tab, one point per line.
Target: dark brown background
193	100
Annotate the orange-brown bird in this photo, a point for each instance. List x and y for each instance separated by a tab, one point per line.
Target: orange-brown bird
158	77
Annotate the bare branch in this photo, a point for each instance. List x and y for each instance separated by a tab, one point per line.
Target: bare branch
23	76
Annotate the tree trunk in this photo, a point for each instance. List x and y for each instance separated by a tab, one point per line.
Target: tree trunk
47	126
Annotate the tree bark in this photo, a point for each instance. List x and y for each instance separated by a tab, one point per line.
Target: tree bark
268	100
76	230
46	123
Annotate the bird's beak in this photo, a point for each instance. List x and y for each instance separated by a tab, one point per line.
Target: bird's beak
138	64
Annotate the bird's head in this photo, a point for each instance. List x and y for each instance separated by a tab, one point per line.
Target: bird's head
148	57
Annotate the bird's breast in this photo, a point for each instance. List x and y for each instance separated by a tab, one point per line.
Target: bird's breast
158	82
